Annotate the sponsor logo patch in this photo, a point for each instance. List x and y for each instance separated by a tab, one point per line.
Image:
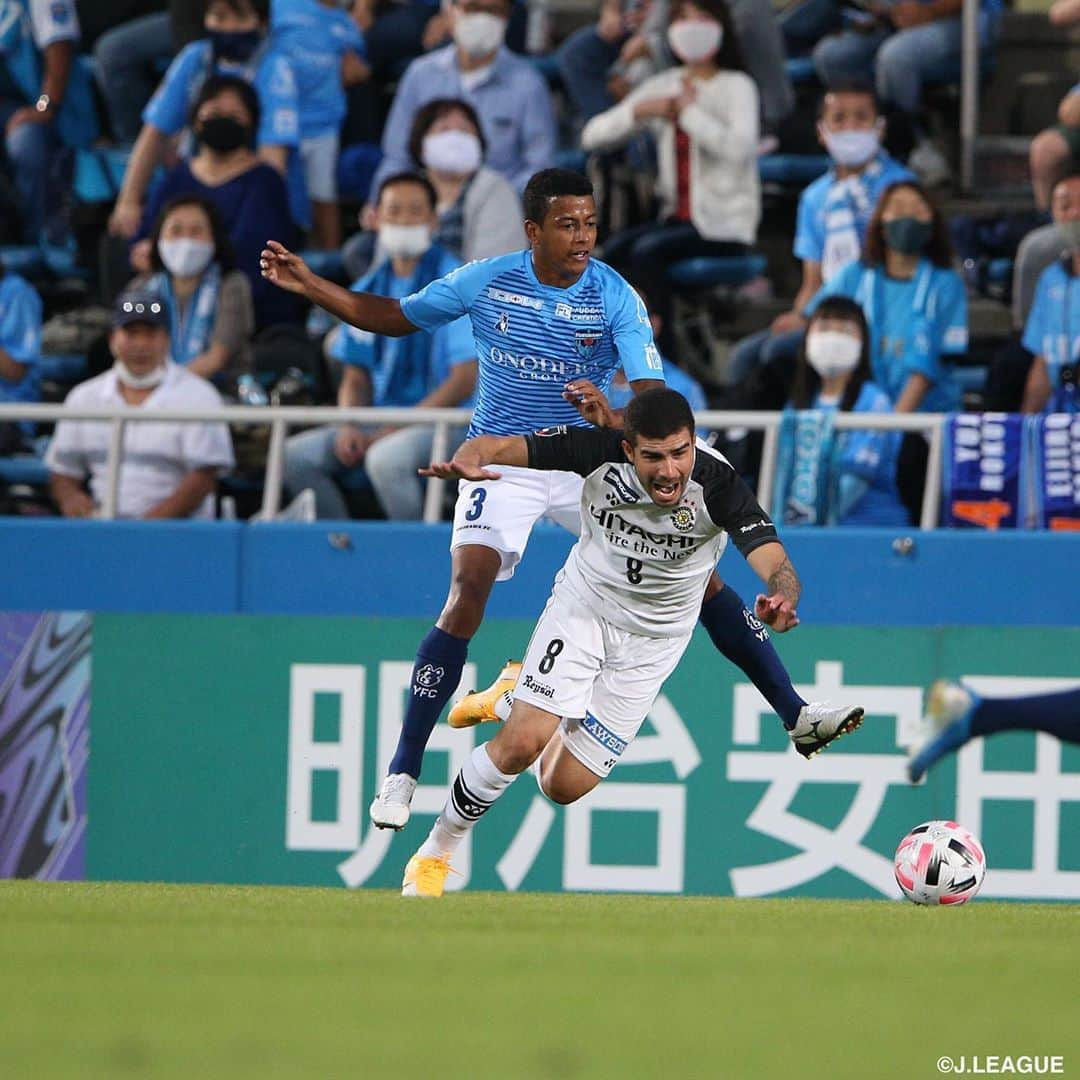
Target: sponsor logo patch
429	675
539	688
607	739
503	325
622	489
683	518
586	341
515	298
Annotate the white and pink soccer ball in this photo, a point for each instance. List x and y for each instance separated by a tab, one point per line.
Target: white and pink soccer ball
939	862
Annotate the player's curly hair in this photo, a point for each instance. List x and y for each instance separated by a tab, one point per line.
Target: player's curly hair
550	184
656	414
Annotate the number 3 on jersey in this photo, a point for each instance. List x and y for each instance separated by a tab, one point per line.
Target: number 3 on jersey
478	495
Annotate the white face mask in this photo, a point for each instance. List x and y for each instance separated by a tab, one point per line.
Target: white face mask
456	152
138	382
404	241
479	33
185	258
695	40
852	148
832	352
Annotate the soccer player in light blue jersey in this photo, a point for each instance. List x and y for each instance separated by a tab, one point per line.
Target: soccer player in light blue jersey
545	320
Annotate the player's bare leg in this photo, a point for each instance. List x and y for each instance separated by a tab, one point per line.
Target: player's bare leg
490	770
436	674
564	779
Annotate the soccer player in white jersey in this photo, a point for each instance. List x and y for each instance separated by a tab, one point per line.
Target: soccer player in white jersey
545	319
656	511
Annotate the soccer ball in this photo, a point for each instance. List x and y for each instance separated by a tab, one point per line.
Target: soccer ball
939	862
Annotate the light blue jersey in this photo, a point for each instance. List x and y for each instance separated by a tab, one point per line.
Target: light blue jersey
915	326
20	338
1053	328
532	339
834	214
315	38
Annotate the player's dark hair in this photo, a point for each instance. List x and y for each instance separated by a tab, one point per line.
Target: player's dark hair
549	184
427	114
939	251
656	414
806	382
409	178
223	249
215	85
849	86
261	8
730	56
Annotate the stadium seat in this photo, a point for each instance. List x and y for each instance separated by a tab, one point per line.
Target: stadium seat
327	264
792	170
25	259
571	158
709	272
356	169
63	368
99	173
801	69
25	470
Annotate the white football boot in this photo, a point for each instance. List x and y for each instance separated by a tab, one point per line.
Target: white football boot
819	723
390	808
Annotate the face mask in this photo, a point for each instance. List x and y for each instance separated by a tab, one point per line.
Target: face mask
185	258
236	45
456	152
479	33
138	382
832	352
1069	231
851	148
224	134
908	236
404	241
695	40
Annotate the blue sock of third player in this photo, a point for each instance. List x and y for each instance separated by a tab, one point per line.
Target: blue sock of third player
741	638
1059	714
435	677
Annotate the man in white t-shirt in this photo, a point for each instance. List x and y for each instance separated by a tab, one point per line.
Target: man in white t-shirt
168	469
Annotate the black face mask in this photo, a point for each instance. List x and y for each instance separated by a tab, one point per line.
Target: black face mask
224	134
236	45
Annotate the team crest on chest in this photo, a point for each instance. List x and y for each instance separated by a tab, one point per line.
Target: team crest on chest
683	518
586	341
503	325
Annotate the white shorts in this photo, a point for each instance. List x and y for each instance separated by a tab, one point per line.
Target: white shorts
600	679
320	156
500	514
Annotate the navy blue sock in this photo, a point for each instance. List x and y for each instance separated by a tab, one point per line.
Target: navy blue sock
1058	714
436	675
742	639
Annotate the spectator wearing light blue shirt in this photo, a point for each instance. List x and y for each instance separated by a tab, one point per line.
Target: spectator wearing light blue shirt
236	44
509	95
425	369
834	212
1052	332
317	36
915	303
20	352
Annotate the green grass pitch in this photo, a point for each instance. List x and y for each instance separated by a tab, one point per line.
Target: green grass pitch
103	980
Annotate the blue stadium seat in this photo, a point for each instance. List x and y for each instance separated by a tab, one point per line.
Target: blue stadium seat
709	271
548	66
792	170
356	169
24	470
327	264
571	158
63	368
25	259
99	173
800	69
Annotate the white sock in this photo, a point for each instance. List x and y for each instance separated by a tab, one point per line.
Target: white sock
473	791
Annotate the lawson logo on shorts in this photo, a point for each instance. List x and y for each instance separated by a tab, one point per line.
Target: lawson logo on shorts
607	739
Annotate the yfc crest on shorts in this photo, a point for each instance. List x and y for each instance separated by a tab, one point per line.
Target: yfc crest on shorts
683	518
585	342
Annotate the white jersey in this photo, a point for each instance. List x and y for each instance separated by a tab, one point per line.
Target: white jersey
641	566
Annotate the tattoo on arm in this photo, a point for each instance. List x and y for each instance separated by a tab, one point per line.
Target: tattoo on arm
785	581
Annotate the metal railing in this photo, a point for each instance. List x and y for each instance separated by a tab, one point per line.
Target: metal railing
281	418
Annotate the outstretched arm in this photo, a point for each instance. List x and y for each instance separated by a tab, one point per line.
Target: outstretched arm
366	311
771	563
472	455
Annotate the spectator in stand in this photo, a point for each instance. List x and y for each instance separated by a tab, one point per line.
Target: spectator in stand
319	39
249	195
510	97
236	44
1052	333
421	369
168	470
902	46
20	351
704	116
209	302
479	212
916	308
47	108
825	476
834	212
1056	151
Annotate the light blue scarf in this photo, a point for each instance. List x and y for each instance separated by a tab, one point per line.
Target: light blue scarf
190	330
